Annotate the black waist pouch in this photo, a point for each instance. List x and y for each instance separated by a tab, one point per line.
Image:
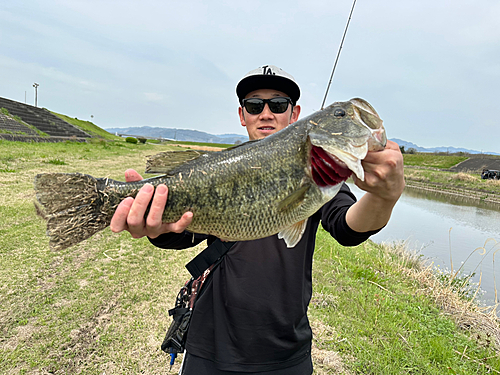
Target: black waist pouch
200	268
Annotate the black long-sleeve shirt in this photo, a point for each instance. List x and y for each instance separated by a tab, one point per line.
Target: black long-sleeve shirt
252	315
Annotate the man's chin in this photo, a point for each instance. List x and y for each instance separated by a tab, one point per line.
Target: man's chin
264	132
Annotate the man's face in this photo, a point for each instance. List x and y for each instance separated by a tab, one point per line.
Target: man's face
267	123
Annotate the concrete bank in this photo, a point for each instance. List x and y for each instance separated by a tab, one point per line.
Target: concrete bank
484	196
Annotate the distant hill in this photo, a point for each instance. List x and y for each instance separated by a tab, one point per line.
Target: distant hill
407	145
199	136
179	134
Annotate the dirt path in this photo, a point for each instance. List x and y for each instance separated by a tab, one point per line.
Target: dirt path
477	165
201	148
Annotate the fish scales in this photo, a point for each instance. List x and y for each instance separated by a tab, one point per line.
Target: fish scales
243	196
251	191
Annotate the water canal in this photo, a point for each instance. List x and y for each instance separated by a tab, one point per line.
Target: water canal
445	230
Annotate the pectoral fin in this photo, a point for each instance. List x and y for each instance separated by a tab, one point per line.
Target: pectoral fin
166	161
293	234
294	199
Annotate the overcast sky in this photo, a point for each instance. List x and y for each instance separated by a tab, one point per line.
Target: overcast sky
430	68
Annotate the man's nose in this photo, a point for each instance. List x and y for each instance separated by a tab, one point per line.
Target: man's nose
266	112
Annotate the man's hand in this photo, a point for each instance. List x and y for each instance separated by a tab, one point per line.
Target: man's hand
384	183
384	174
129	214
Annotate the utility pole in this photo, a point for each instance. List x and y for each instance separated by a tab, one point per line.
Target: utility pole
35	85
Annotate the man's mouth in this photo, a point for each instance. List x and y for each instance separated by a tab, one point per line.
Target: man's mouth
266	128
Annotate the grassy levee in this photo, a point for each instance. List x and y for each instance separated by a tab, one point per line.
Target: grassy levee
101	306
433	160
88	127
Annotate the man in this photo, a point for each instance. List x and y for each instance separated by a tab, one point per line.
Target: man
252	315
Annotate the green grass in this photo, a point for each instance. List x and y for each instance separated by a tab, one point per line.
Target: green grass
56	162
34	128
432	160
384	320
101	306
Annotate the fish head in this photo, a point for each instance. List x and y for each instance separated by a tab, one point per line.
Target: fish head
340	136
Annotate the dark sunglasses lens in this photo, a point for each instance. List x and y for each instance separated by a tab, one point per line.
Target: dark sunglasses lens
278	105
254	106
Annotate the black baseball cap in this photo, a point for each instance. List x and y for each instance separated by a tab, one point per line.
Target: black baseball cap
268	77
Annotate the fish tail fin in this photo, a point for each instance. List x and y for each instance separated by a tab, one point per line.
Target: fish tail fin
73	205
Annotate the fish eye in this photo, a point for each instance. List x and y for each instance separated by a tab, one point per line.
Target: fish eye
339	112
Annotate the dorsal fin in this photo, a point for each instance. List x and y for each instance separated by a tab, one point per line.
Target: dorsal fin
166	161
242	144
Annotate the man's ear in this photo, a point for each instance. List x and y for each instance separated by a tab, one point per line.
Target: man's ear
242	116
295	114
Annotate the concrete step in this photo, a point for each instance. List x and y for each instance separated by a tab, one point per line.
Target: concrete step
42	119
8	124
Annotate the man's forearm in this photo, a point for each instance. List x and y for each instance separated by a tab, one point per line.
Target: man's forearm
177	241
369	213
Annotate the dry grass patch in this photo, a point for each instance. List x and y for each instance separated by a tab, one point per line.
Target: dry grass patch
325	361
493	183
464	177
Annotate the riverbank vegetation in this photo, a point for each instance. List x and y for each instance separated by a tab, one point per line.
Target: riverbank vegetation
465	180
101	306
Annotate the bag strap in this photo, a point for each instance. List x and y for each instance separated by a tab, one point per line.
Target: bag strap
208	257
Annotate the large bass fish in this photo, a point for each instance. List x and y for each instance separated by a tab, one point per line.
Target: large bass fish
251	191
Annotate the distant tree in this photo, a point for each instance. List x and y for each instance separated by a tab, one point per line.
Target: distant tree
238	142
411	150
131	140
402	148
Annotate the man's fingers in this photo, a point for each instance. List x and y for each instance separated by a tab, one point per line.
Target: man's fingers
130	213
154	220
119	219
181	225
185	220
383	172
131	175
135	218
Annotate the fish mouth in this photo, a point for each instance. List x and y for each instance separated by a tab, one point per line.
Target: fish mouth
327	169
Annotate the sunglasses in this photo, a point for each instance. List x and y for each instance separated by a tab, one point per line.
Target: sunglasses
254	106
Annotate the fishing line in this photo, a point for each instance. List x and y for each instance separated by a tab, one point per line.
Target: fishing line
338	55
